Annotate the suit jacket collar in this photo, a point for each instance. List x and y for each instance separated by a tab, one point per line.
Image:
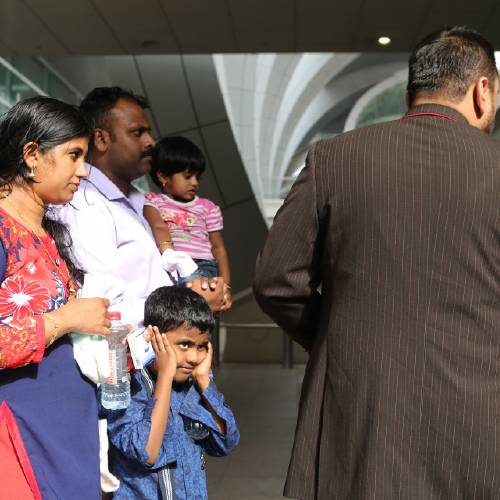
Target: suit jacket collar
439	109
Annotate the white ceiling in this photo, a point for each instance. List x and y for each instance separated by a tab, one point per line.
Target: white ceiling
62	27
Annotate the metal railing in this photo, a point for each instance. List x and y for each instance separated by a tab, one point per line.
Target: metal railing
221	331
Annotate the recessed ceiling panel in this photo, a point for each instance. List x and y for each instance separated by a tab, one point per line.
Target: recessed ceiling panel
25	33
51	27
142	27
78	25
201	26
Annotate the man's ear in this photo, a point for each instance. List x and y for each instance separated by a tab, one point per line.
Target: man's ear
102	139
481	96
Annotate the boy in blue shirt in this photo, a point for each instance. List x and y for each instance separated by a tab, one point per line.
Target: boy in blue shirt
176	412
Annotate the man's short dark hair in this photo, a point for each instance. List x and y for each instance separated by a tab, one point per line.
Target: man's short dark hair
99	102
176	154
170	307
448	62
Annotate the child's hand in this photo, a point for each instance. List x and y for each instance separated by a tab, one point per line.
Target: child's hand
201	374
166	360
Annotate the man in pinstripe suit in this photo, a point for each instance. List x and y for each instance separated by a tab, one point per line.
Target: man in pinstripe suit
400	225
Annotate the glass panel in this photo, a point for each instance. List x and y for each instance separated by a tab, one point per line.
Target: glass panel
18	90
4	83
387	105
144	184
13	89
31	69
57	89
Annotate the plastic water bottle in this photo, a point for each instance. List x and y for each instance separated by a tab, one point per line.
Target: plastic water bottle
115	392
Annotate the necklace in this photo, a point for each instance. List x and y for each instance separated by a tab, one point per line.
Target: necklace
69	283
428	113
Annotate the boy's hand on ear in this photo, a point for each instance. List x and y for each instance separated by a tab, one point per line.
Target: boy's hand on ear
201	374
166	360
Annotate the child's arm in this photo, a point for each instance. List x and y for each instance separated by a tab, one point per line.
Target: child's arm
222	258
159	228
166	365
201	376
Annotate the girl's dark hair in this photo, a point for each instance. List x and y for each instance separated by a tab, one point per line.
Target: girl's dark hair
48	123
169	307
172	155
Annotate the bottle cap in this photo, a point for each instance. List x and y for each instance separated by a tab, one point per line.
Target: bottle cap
114	315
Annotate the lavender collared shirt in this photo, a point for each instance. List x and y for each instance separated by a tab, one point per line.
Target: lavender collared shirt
111	238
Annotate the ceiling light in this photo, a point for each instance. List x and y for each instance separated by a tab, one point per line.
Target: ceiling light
150	43
384	40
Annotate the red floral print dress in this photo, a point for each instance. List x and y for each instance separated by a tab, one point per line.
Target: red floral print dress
44	399
31	286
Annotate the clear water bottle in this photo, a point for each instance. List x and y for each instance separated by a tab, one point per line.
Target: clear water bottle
115	392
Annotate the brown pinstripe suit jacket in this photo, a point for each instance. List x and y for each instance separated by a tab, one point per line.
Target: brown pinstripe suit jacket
400	223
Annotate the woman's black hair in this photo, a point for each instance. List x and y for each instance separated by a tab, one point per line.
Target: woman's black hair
169	307
172	155
48	123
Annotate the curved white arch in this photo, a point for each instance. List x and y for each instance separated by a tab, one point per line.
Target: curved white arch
352	119
274	101
329	97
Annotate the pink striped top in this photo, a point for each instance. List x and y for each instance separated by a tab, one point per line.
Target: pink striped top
189	223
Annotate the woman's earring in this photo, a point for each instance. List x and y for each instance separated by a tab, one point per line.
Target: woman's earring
31	173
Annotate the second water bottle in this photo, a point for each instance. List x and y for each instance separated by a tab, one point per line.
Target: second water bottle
115	392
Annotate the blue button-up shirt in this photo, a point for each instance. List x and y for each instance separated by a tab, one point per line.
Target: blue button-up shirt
179	471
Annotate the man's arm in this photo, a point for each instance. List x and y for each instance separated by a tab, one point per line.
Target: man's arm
288	272
95	247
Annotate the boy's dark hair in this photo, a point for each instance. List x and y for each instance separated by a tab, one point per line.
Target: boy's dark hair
176	154
98	103
449	61
169	307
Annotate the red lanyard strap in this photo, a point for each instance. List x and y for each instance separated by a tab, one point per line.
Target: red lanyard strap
428	113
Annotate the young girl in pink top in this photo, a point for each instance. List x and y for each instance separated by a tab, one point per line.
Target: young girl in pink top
178	217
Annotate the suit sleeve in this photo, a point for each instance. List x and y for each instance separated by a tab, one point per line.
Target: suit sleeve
287	274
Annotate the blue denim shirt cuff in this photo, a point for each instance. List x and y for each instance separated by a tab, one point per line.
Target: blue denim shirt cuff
214	397
192	406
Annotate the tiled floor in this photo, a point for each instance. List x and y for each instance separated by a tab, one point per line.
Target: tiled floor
265	400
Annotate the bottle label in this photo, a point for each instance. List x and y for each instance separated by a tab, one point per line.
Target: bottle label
112	379
142	352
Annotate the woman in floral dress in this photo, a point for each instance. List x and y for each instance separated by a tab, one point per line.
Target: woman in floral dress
48	411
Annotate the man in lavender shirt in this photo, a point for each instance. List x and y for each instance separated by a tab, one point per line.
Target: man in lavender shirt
110	235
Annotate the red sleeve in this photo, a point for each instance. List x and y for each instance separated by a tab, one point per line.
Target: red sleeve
22	342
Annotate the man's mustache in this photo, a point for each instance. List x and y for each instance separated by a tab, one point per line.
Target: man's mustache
147	153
